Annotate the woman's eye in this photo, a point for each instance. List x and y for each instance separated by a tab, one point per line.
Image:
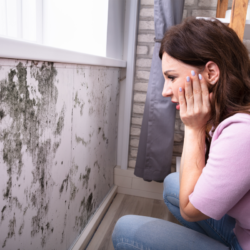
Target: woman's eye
171	78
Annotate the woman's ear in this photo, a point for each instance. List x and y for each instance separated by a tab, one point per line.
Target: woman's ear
212	72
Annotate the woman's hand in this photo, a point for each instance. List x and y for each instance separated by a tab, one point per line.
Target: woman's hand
194	100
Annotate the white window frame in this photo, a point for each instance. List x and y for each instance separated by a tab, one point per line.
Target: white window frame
16	49
126	85
19	49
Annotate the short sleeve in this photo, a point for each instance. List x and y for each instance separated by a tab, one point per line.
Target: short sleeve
226	177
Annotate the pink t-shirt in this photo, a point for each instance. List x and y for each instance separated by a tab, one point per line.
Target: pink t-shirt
224	185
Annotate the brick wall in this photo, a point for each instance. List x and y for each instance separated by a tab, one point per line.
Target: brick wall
145	46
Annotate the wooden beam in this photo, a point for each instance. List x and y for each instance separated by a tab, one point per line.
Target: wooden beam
238	17
221	8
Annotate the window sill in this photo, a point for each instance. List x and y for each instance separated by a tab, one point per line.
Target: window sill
17	49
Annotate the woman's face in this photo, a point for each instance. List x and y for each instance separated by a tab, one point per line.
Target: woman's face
175	73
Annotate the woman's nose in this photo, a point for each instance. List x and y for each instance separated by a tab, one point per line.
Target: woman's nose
167	91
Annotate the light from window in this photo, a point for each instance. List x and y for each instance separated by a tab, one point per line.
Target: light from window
78	25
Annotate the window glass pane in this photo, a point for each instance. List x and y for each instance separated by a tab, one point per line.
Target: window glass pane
3	24
79	25
12	18
29	20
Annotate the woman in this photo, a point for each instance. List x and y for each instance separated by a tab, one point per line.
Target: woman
207	71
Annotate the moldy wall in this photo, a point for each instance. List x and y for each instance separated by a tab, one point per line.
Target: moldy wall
58	134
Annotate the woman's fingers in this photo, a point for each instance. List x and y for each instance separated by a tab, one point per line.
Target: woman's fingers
189	95
197	92
205	94
182	101
195	96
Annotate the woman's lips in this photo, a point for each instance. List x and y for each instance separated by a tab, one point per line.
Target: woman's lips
177	106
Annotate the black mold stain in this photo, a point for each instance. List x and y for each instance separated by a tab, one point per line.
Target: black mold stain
94	186
20	231
82	205
79	103
69	179
105	138
60	122
17	203
25	210
85	177
11	233
98	166
64	184
34	200
32	111
56	146
62	239
81	220
73	190
3	209
2	114
81	140
2	217
89	205
73	169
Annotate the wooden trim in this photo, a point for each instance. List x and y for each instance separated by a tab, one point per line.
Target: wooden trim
90	228
238	17
221	8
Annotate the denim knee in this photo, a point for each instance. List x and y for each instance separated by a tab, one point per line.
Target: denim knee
121	228
171	189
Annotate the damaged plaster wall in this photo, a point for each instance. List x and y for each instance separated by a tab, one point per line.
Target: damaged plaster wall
58	134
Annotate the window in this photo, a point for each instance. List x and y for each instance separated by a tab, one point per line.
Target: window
78	25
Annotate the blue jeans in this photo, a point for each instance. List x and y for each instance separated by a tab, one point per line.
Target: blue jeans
146	233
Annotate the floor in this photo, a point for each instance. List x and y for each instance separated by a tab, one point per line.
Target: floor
123	205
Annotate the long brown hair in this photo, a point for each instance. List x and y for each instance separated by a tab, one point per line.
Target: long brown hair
197	41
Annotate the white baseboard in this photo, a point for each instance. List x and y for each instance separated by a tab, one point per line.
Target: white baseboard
90	228
130	184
